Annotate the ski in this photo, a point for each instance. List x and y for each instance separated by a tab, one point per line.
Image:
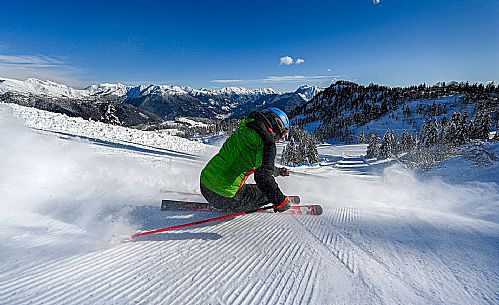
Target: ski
178	205
306	209
182	205
292	199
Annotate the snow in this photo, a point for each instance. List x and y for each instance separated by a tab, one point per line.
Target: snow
71	190
40	87
99	132
308	92
190	122
108	89
479	161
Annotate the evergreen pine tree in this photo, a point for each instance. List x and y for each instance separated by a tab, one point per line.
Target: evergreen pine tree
429	133
285	155
312	153
373	148
405	141
361	138
291	152
388	146
481	124
458	129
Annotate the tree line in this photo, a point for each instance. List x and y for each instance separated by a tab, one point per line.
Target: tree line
344	105
435	140
301	148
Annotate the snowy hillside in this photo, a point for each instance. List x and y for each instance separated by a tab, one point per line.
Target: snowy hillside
97	131
72	190
396	121
344	109
40	87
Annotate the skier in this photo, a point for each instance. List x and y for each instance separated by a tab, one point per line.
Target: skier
251	149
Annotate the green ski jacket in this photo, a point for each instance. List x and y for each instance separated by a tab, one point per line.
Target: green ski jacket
238	158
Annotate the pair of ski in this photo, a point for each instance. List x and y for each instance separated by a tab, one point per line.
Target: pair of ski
177	205
296	208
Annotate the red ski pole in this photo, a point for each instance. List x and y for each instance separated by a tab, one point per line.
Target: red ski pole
192	224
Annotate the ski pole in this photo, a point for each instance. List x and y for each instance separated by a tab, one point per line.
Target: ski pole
192	224
180	193
305	175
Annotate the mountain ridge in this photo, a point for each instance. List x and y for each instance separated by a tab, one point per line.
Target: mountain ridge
164	101
54	89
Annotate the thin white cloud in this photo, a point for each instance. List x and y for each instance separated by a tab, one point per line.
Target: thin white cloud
286	78
223	81
282	79
286	60
297	78
34	61
39	66
299	61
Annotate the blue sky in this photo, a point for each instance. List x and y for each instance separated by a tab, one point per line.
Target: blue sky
252	44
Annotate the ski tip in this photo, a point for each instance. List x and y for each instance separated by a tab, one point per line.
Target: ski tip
133	237
294	199
318	210
127	239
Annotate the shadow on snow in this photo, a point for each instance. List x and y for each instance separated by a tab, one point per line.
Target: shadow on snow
130	146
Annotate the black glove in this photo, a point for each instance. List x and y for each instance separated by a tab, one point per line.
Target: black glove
281	171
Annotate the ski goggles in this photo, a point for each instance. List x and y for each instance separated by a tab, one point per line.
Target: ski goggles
283	130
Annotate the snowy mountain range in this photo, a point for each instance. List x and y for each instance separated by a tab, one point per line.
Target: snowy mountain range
152	101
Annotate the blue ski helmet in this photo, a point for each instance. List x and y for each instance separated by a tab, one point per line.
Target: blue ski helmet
279	121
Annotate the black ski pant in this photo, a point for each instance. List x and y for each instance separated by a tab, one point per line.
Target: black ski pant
248	198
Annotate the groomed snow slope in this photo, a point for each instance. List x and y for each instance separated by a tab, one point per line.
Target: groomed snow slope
69	197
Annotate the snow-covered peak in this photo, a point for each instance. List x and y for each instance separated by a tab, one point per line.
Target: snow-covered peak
308	92
175	90
264	91
40	87
163	90
233	90
108	89
240	91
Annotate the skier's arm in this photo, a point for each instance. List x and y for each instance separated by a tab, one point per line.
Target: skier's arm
264	175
